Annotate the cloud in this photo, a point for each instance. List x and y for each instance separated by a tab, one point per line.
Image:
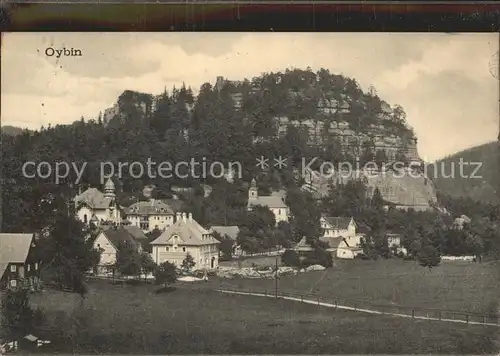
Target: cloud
442	81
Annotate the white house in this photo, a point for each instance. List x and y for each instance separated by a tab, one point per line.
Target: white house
338	247
340	235
183	237
345	250
394	242
336	226
274	202
110	240
94	206
150	215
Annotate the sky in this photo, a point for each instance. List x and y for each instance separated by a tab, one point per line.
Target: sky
443	81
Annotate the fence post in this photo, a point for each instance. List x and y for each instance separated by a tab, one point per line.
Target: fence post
467	318
355	306
336	304
318	304
484	319
302	298
413	313
440	316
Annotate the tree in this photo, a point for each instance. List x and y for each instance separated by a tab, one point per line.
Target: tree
147	263
165	274
377	200
290	258
17	315
475	245
66	252
306	215
188	263
226	246
428	256
128	259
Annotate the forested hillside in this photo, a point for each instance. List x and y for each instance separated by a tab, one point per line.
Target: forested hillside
483	185
228	122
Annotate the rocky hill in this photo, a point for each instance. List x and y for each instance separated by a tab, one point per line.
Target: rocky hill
483	185
403	188
331	109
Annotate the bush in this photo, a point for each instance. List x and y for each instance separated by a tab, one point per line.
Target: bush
318	257
290	258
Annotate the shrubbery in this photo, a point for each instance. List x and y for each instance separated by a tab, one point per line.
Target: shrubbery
319	256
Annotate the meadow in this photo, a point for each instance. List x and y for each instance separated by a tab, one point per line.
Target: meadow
134	319
460	286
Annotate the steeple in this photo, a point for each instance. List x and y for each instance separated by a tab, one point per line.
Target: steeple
109	189
253	191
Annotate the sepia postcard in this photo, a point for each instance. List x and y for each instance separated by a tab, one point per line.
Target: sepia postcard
250	193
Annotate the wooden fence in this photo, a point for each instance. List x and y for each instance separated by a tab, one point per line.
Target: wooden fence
397	310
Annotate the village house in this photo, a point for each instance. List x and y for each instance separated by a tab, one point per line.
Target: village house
340	227
93	206
150	215
230	232
338	247
340	235
394	243
111	239
183	237
275	202
19	265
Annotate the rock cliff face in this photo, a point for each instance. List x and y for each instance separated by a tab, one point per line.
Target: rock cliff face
403	189
328	108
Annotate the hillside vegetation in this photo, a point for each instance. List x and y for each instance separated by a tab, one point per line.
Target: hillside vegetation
485	188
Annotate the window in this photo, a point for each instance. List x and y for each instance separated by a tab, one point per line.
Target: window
183	249
167	249
85	218
13	283
28	268
13	268
36	265
98	245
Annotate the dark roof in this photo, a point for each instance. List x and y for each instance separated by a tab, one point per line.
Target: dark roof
337	222
152	207
135	232
119	235
14	248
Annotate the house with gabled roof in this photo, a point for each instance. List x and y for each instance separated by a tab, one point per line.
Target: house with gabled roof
340	226
19	264
111	239
150	215
94	206
338	247
275	202
185	236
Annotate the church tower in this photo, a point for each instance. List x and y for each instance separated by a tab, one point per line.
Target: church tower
109	189
253	191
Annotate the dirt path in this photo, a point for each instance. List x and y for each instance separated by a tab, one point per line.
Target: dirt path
362	310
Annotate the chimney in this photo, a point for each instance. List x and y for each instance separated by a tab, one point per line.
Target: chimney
183	216
152	202
190	217
177	217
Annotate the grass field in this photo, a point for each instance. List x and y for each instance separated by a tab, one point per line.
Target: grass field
133	319
462	286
